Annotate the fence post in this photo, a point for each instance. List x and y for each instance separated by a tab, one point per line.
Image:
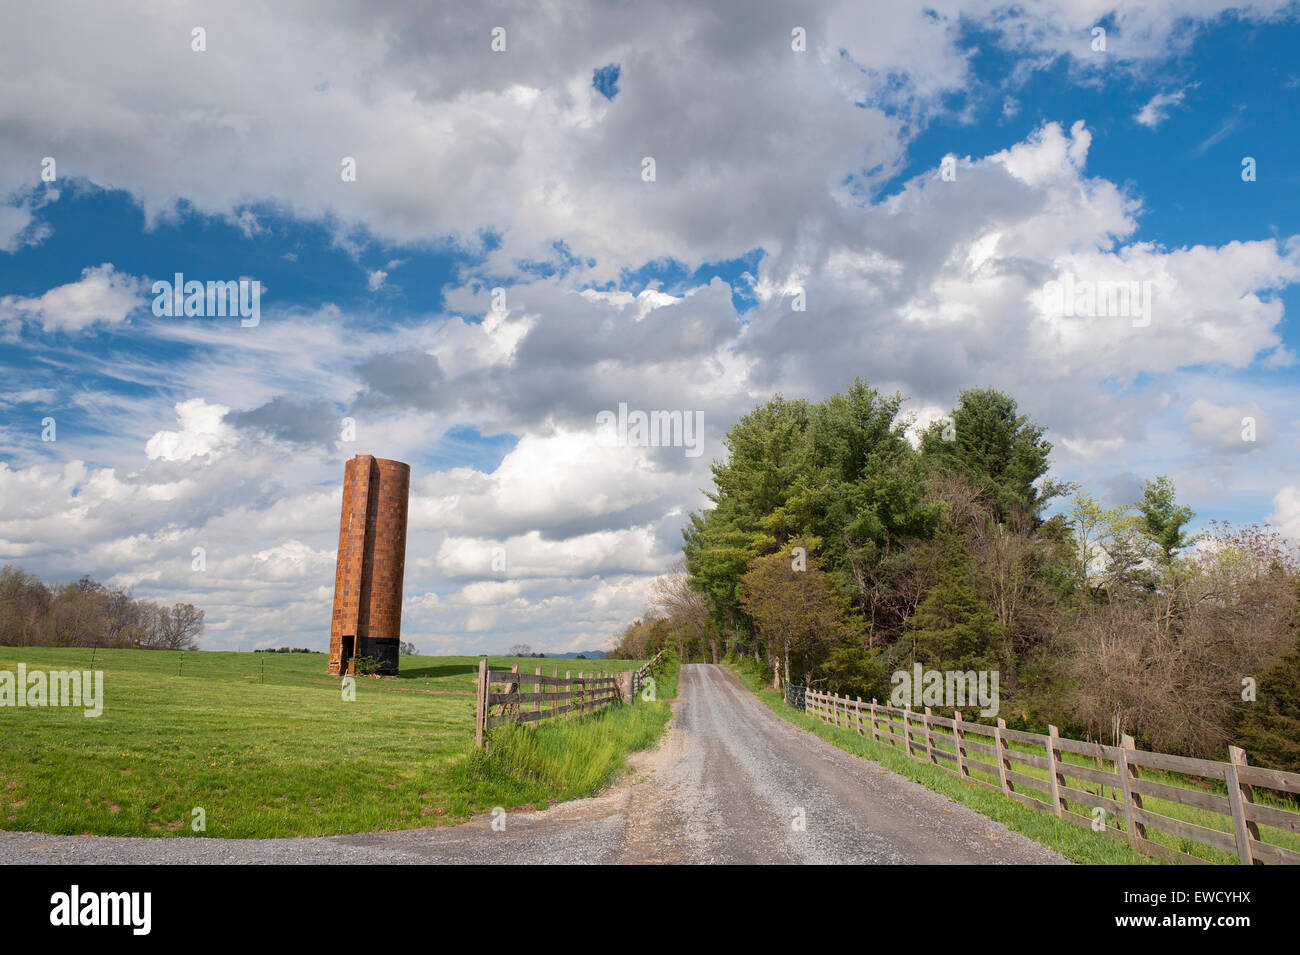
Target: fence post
962	771
582	699
874	738
537	688
859	716
1054	779
1238	795
1132	800
480	708
1003	763
569	695
929	736
513	689
907	728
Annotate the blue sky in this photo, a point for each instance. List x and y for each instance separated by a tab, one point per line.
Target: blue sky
776	171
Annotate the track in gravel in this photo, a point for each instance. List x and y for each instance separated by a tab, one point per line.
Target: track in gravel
724	786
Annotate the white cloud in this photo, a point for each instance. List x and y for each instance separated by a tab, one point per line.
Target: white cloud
1229	429
101	296
202	432
936	288
1156	110
1286	512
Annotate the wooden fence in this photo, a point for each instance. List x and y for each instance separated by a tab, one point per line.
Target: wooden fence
956	746
552	696
649	666
643	671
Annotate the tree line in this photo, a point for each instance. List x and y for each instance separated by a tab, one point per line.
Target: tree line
838	548
87	613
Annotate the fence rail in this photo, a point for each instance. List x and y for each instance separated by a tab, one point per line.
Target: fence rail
551	696
643	671
961	748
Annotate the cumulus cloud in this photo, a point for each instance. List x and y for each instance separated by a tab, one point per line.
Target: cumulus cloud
101	296
537	151
202	432
299	422
939	286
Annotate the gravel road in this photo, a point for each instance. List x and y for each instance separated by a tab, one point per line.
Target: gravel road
727	784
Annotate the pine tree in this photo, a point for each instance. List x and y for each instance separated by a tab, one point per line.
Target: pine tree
953	628
1270	730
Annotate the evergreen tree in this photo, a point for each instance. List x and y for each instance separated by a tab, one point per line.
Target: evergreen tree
1162	519
1270	730
953	628
998	448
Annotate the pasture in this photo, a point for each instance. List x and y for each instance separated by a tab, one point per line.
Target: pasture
265	745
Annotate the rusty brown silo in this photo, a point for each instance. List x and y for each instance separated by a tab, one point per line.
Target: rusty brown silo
367	617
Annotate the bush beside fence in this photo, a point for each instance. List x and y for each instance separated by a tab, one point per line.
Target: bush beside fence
955	746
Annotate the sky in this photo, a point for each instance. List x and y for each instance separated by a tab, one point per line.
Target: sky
476	228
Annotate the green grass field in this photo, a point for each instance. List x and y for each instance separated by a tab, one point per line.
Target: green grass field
266	746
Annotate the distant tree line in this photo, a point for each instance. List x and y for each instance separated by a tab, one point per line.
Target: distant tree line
89	614
839	548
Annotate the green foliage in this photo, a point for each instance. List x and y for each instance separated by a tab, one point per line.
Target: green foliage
1270	730
854	670
1162	519
953	628
1096	617
865	487
998	448
796	609
365	666
840	473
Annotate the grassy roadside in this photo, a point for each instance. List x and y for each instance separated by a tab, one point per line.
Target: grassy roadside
556	761
265	745
1076	844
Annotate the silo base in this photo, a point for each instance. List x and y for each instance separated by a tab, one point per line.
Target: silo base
383	650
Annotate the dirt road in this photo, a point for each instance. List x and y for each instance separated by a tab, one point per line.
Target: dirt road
730	783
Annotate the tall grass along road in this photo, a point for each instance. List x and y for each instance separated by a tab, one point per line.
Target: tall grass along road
731	783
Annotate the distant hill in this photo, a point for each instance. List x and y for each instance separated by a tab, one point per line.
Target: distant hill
589	654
